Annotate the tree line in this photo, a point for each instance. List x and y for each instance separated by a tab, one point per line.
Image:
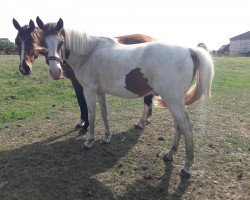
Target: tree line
7	47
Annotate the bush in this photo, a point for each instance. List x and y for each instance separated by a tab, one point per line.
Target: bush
7	47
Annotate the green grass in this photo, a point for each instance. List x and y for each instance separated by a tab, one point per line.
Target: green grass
231	75
40	158
32	95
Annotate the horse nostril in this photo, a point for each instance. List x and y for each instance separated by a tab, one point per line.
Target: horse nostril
22	70
28	72
25	70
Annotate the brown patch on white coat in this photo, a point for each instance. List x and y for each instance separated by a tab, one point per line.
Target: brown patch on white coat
137	83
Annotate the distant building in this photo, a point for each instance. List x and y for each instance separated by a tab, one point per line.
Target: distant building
240	45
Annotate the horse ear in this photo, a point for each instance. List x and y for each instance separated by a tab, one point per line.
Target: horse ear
59	25
32	26
39	23
16	24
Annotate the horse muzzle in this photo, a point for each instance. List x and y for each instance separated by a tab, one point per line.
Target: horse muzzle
55	70
25	69
55	67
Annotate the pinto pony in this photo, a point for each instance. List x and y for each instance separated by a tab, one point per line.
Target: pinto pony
28	41
103	65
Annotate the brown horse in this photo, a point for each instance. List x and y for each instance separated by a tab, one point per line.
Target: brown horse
28	41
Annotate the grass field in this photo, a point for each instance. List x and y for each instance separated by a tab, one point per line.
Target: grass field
41	159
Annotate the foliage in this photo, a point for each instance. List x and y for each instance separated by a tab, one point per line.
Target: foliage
7	47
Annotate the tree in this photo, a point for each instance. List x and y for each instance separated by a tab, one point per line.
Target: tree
6	46
202	45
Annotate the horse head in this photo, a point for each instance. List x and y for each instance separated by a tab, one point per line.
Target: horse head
53	40
27	40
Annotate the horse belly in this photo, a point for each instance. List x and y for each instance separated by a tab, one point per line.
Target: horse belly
117	88
123	93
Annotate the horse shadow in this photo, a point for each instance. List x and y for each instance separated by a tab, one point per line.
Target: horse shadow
58	168
142	190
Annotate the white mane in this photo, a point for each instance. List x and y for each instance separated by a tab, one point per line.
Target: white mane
77	41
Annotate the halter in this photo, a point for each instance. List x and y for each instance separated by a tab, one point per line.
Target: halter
60	60
53	58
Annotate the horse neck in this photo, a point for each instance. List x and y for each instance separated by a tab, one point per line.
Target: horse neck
78	42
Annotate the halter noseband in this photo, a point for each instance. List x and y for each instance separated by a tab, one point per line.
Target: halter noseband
54	58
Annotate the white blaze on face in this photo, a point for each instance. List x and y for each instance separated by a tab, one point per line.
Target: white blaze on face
22	56
54	65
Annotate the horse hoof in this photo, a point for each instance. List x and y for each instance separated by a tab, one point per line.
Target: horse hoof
168	157
89	143
82	131
138	127
87	146
184	174
105	141
78	126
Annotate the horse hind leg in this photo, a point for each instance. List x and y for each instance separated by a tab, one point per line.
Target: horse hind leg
188	135
173	150
183	125
147	112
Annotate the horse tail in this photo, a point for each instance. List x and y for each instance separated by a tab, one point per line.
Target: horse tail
203	75
158	102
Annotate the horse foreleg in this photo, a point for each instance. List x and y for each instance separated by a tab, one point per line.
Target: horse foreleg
83	122
147	112
104	113
90	95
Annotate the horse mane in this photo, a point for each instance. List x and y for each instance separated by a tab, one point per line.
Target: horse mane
37	40
76	41
37	35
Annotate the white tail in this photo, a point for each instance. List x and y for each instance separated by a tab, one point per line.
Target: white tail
203	74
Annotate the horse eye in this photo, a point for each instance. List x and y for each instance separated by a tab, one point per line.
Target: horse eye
60	45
